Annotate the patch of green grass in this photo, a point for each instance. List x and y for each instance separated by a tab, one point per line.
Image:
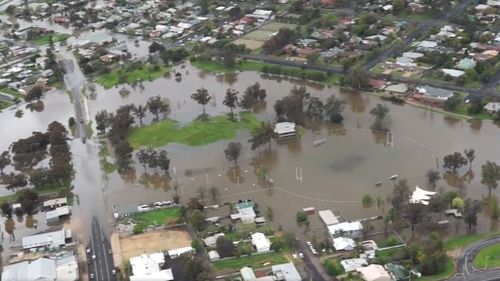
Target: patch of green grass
447	273
254	261
457	242
196	133
463	110
106	167
4	104
41	192
333	267
88	129
214	66
158	217
12	92
334	79
44	39
488	257
145	73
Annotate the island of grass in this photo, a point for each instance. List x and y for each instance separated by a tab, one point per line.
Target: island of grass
254	261
45	38
488	257
458	242
160	217
196	133
132	73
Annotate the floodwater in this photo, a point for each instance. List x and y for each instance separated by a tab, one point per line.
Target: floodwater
334	175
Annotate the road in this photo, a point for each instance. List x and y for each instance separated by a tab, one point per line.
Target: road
313	265
467	271
102	266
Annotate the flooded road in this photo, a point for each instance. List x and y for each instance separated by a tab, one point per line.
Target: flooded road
334	175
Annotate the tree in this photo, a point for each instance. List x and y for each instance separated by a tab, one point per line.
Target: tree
367	201
490	175
414	214
193	268
29	200
103	119
225	247
262	135
471	211
235	13
334	108
270	213
231	100
201	97
11	10
381	114
197	219
432	177
197	245
214	193
400	195
291	107
228	59
301	217
470	154
157	105
14	181
194	203
4	161
315	108
233	152
6	209
163	161
156	47
35	93
399	5
457	203
252	95
454	161
357	78
140	112
278	41
202	192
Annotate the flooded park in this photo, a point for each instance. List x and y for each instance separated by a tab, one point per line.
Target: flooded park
334	175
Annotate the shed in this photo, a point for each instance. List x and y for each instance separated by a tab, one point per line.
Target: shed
344	244
247	274
374	272
261	243
328	217
353	264
285	129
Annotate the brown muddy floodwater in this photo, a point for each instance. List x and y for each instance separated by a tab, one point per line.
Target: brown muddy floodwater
335	175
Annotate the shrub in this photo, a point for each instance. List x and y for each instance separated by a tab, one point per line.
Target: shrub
367	201
138	229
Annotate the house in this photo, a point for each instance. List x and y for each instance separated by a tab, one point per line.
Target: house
247	274
260	242
492	107
213	255
286	272
211	241
353	264
398	272
343	244
348	229
453	72
55	215
374	272
328	218
397	89
175	253
285	129
245	212
435	94
421	196
108	58
427	46
304	52
52	239
466	63
148	267
63	268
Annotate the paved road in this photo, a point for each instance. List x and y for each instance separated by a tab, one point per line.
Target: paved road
101	267
313	264
467	271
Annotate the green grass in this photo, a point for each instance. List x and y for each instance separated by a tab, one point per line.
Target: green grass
107	167
196	133
11	92
4	105
146	73
447	273
158	217
88	129
213	66
41	192
44	39
334	79
488	257
254	261
458	242
462	110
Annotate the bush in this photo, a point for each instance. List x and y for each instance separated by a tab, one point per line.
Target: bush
367	201
301	217
138	229
333	267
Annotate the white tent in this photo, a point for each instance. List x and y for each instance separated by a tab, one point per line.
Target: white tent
421	196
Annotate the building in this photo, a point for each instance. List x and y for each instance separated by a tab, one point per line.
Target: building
245	212
52	239
148	267
260	242
214	256
353	264
328	217
247	274
434	94
397	89
374	272
211	241
343	244
58	269
55	215
175	253
348	229
492	107
286	272
398	272
285	129
421	196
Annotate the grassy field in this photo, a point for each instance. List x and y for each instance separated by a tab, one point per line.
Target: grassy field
254	261
44	39
213	66
41	192
195	133
458	242
488	257
158	217
449	270
146	73
4	105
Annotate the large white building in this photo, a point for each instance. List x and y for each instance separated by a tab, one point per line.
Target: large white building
49	239
147	268
352	229
260	242
60	269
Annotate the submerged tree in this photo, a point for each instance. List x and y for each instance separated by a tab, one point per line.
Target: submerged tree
432	177
454	161
262	136
334	108
470	154
231	100
140	112
201	97
381	114
490	175
471	211
233	152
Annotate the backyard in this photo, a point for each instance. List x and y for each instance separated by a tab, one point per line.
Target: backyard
45	38
198	132
254	261
165	216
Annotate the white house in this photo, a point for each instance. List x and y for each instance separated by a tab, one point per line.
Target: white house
492	107
343	244
348	229
59	269
285	129
328	217
260	242
147	267
353	264
374	272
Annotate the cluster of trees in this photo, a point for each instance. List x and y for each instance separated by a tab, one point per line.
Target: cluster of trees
168	55
356	78
313	75
151	158
35	93
28	199
299	106
382	117
277	42
29	152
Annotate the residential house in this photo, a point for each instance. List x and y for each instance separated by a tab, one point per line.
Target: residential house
261	242
211	241
286	272
374	272
328	217
213	255
245	212
398	272
397	89
285	129
466	63
492	107
348	229
353	264
428	93
149	267
343	244
63	268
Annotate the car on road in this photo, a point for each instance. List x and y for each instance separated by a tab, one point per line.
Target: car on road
92	276
309	243
114	272
88	250
93	257
301	255
110	252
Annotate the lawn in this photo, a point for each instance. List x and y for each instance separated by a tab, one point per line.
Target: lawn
4	105
449	269
488	257
145	73
158	217
41	192
196	133
213	66
457	242
12	92
254	261
44	39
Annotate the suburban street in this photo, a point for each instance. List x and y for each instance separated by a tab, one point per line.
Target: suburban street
102	266
313	265
465	267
